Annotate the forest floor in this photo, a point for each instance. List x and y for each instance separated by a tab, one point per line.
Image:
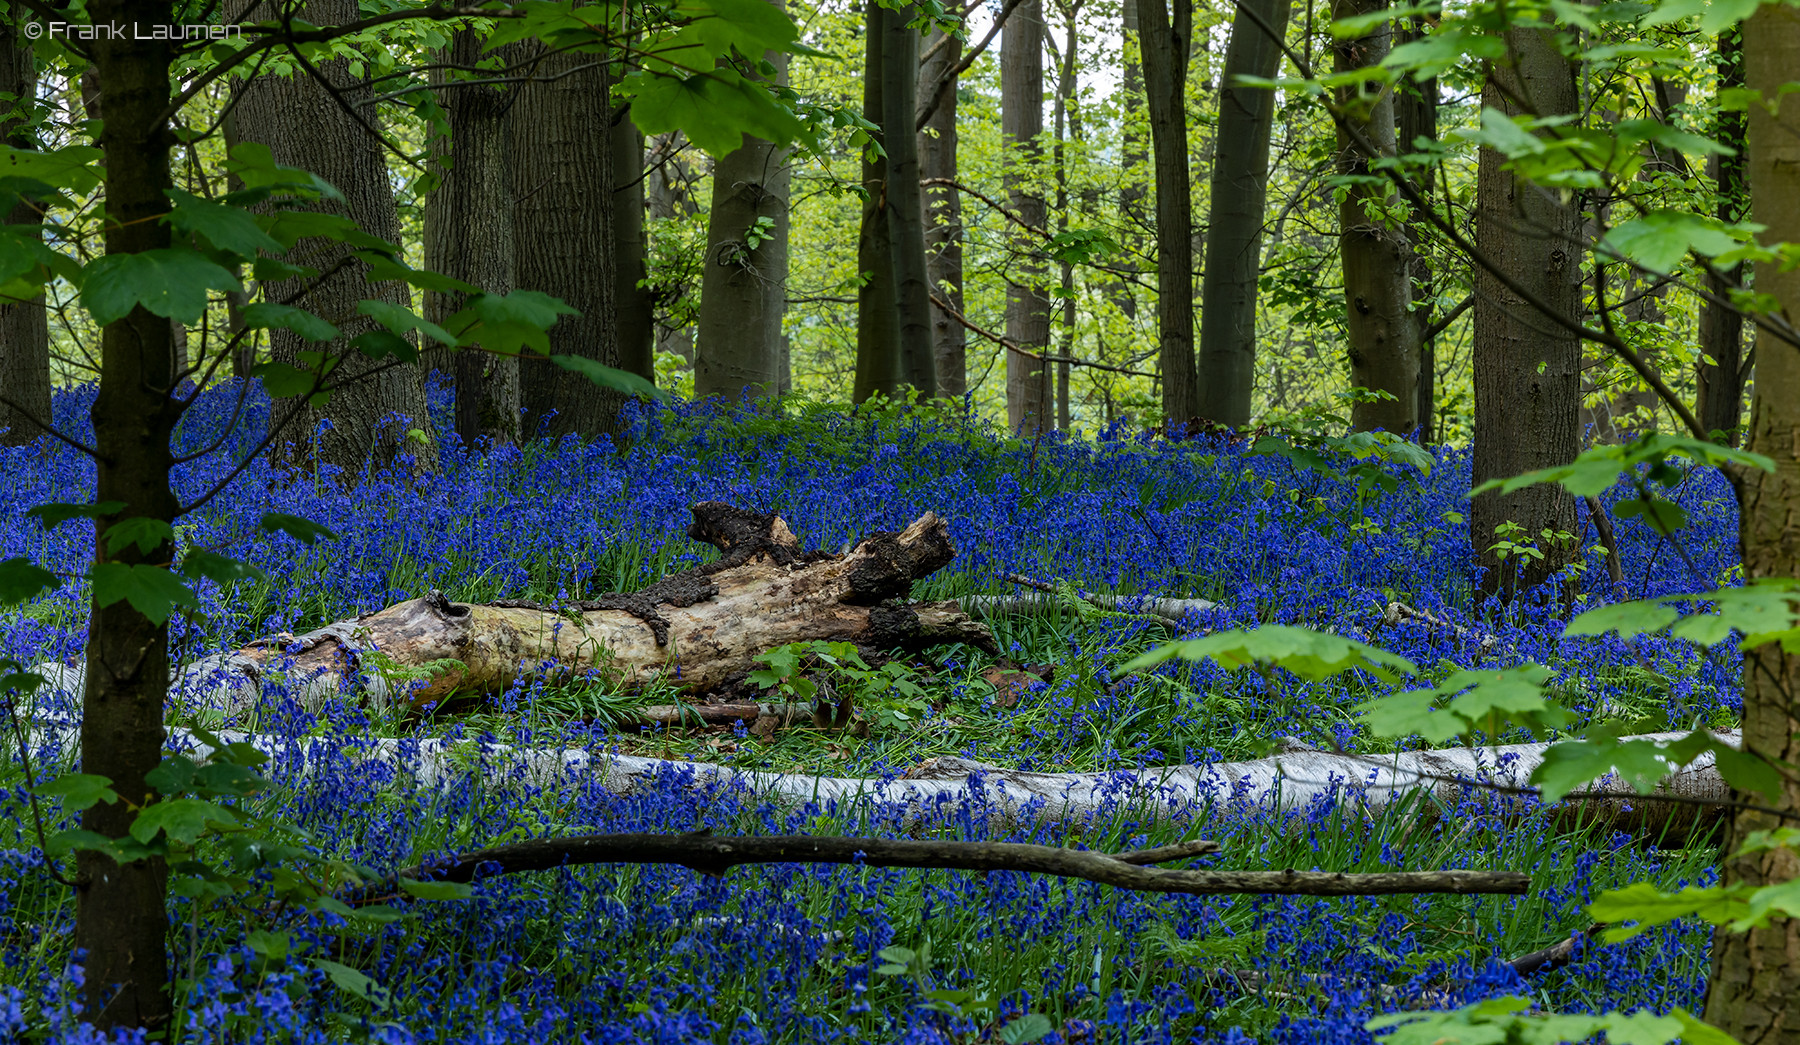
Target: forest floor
796	953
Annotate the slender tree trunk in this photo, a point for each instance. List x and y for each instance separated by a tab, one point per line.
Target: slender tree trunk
1067	117
1132	156
121	917
1415	113
1240	193
1028	404
1527	368
561	133
305	127
906	218
1383	337
24	325
879	363
1721	381
669	194
1165	37
636	310
743	291
469	235
1755	978
943	218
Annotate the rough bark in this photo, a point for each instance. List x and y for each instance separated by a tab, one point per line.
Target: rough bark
1527	367
1164	28
1720	383
1028	403
1239	194
1383	336
1753	993
1416	116
305	127
24	325
943	216
120	916
695	630
905	203
743	291
879	366
469	235
562	227
634	306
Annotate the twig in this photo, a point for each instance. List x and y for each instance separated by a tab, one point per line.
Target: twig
968	59
1013	346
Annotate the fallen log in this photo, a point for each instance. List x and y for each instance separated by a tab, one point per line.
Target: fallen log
693	630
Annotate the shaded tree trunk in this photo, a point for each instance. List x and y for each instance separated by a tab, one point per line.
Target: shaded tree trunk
24	325
669	194
943	218
1721	382
1028	403
743	288
1755	979
1239	192
469	235
1415	113
636	310
305	127
1132	156
1383	336
1165	27
879	365
906	218
1067	117
121	917
1527	367
560	142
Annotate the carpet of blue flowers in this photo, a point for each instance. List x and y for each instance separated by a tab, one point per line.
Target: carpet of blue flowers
788	953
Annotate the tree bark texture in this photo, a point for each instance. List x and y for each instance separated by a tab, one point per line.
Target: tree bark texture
879	366
1132	156
1527	367
1240	176
634	307
120	918
373	404
24	325
1721	382
1028	403
1383	340
1068	129
696	629
1416	116
943	217
469	235
904	201
562	225
1753	993
1164	29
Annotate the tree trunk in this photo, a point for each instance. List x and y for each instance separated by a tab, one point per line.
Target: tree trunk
469	235
1165	39
121	918
743	288
636	311
669	194
1383	339
1721	381
1131	158
1240	192
1755	978
879	364
943	218
305	127
24	325
1028	404
906	207
1527	367
1415	113
562	232
1068	129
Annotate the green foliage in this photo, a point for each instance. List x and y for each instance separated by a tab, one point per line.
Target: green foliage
1312	655
889	694
905	962
1510	1021
1764	611
1469	702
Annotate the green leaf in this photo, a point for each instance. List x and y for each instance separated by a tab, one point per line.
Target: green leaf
78	790
1649	907
1033	1026
229	228
21	580
75	168
401	320
1313	655
1660	240
608	377
265	315
303	530
271	945
716	108
509	323
255	166
182	820
51	515
283	380
171	282
1639	617
436	890
382	344
1663	516
222	569
347	979
173	775
151	590
148	534
1573	764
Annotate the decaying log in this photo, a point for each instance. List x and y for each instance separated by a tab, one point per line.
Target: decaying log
693	630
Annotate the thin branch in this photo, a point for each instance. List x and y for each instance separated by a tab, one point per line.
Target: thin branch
1449	317
20	411
949	78
1013	346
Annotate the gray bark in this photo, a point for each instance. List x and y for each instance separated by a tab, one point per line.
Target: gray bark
1028	402
636	310
1415	113
1721	382
1165	28
668	185
1239	193
879	364
943	218
24	325
906	219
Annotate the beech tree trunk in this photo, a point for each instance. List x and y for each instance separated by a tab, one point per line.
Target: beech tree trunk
1755	978
1165	28
1067	130
305	127
1383	336
880	367
906	208
943	217
1240	193
1131	158
668	184
562	232
469	235
24	325
1415	114
1028	402
634	307
1527	367
1720	383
